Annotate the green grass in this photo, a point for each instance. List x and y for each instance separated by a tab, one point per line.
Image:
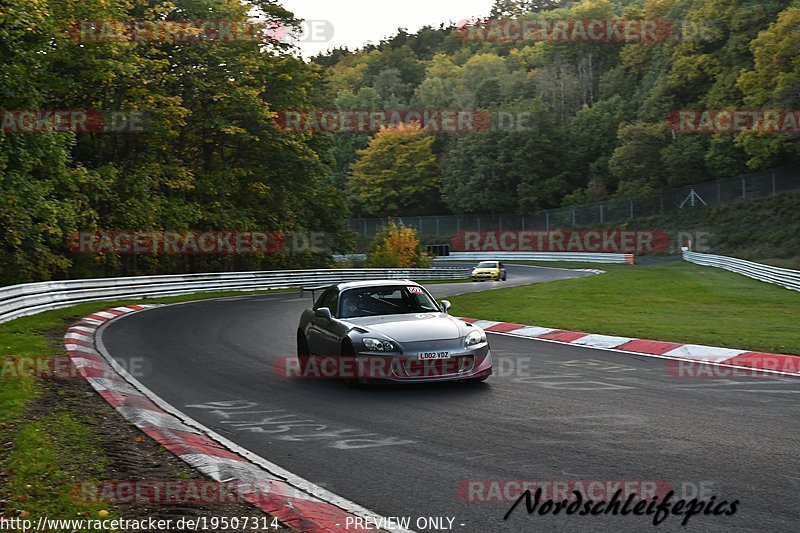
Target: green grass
49	457
677	302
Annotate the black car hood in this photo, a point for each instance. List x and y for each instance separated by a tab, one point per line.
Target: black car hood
411	327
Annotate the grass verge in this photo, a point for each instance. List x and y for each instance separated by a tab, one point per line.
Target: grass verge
676	301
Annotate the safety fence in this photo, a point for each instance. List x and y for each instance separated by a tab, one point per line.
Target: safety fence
441	228
770	274
31	298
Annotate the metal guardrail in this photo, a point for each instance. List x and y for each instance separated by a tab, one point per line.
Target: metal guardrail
539	256
31	298
770	274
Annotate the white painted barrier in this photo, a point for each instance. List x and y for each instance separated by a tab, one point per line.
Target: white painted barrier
31	298
770	274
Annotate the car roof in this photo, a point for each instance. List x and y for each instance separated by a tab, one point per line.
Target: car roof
374	283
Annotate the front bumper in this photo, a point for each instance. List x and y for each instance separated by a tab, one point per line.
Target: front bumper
480	276
465	366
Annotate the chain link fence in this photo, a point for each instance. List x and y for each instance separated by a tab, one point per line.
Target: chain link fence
440	228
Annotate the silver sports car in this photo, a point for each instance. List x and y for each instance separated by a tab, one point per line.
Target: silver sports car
389	331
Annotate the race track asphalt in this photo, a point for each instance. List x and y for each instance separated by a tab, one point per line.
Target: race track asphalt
550	413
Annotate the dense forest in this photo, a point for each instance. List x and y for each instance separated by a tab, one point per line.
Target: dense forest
213	158
597	112
210	157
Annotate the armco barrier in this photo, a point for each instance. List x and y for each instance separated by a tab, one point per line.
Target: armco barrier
779	276
539	256
32	298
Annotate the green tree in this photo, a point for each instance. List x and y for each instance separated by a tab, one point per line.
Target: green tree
774	82
636	162
397	246
396	174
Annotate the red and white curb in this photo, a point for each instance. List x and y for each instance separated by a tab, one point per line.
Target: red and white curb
771	363
294	501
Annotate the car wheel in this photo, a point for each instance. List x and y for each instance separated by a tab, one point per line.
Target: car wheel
303	354
505	277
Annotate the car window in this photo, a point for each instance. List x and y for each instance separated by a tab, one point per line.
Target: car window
328	299
376	301
487	264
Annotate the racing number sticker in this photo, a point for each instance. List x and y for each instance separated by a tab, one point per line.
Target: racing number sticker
415	290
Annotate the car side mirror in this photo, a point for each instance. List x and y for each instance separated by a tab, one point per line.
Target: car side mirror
323	312
446	305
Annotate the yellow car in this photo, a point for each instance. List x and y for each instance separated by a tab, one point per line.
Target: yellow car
489	270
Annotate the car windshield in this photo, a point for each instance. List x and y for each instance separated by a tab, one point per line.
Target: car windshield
487	264
393	300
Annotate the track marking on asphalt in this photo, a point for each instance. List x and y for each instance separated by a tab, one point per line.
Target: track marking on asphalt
575	382
595	364
245	416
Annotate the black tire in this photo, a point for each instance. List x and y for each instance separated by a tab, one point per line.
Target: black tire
303	353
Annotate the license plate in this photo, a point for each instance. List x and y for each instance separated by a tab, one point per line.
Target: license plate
427	356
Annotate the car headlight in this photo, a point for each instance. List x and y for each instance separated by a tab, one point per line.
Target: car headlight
474	337
377	345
